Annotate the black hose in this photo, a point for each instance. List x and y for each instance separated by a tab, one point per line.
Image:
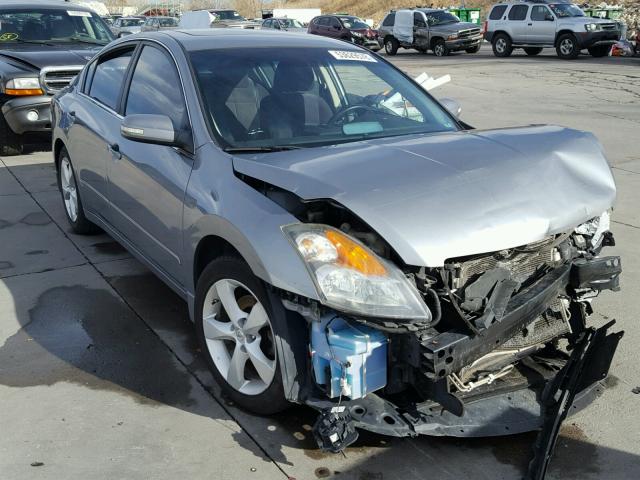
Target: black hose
435	306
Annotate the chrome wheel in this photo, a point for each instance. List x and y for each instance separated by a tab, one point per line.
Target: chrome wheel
69	189
501	45
438	49
239	337
566	46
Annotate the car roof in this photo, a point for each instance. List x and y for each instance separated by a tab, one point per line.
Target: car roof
49	4
223	38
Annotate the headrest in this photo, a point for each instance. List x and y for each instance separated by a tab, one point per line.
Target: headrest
292	77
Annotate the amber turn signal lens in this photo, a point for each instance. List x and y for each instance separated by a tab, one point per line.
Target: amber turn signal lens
23	91
353	255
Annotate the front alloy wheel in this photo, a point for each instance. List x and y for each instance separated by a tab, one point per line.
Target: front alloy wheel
440	49
235	330
567	47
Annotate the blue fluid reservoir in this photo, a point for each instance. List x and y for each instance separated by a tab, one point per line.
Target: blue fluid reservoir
348	359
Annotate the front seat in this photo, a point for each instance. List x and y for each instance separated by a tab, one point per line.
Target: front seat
291	108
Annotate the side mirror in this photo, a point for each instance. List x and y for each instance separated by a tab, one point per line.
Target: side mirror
452	106
337	27
157	129
549	18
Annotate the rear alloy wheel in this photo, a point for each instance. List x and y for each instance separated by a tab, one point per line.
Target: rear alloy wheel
600	51
71	197
532	51
440	48
236	333
567	47
502	45
391	46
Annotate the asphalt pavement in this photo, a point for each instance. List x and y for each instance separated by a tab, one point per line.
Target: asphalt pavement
101	377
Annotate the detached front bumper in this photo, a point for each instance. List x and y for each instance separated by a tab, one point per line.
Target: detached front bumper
594	39
28	114
463	43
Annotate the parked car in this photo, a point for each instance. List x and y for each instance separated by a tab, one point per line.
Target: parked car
345	27
127	25
286	24
43	45
534	25
399	272
153	24
231	18
427	29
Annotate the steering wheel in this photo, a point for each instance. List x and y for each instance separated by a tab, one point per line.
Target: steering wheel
347	110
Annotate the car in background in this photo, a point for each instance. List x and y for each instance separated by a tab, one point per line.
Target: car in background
395	269
534	25
427	29
231	18
153	24
43	45
286	24
345	27
127	25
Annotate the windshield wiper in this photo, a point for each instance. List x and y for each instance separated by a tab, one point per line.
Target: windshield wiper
34	42
84	40
273	148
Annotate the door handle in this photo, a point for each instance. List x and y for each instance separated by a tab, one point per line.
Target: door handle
115	151
530	24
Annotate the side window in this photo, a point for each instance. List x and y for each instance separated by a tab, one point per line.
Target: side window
518	12
334	22
155	88
539	13
108	76
418	20
389	20
267	24
497	12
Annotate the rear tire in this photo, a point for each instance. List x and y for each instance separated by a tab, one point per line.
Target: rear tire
253	345
532	51
391	46
475	49
71	200
567	47
599	51
502	46
440	48
10	142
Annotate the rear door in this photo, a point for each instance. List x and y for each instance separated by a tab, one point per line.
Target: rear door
147	182
518	21
543	25
96	125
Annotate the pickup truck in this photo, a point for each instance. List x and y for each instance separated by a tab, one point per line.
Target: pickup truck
43	45
428	29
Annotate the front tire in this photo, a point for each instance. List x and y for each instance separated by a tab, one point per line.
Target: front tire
567	47
532	51
599	51
502	46
235	331
391	46
10	142
440	48
71	200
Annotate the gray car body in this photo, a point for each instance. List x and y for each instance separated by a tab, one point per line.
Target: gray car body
423	37
431	197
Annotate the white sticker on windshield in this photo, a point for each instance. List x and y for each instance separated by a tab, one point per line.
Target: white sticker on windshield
351	55
78	13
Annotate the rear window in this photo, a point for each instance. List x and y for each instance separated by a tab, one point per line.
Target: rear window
497	12
389	19
518	12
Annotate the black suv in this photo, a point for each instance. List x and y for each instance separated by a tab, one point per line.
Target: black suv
43	45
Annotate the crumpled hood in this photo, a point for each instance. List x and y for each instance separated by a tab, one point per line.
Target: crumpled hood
39	56
446	195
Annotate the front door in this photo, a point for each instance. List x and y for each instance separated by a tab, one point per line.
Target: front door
420	31
147	182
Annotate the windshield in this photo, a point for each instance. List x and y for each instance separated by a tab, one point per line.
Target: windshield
441	17
259	98
52	25
131	22
563	10
168	22
354	23
290	23
228	15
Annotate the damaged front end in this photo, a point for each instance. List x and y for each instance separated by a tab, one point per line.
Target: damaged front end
501	331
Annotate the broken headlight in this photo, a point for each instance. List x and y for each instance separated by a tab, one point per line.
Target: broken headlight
595	228
351	278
